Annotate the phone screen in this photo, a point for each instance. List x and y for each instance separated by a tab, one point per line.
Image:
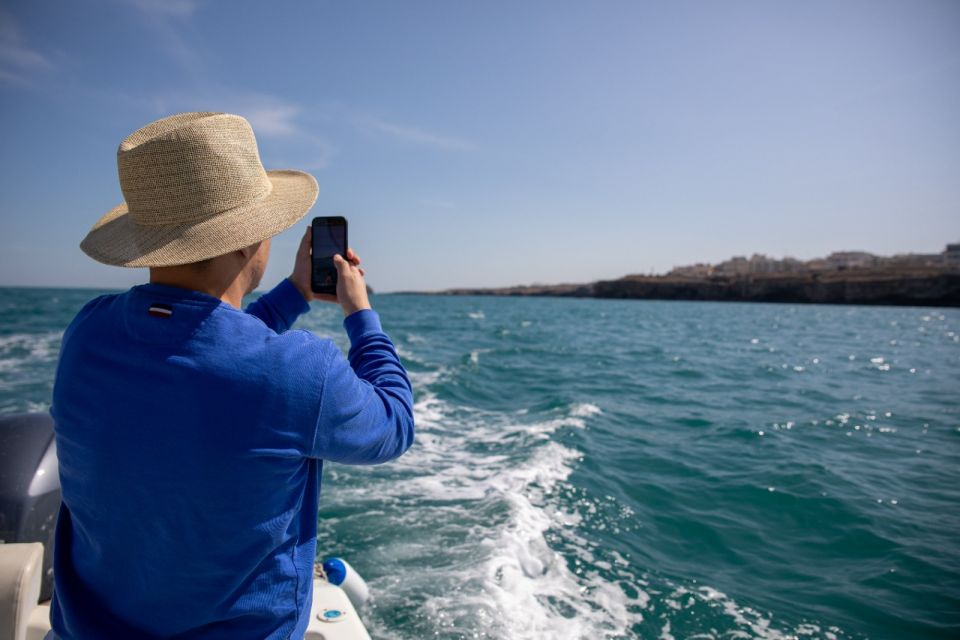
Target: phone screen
329	238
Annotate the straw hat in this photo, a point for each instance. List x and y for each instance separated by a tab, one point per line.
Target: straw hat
194	188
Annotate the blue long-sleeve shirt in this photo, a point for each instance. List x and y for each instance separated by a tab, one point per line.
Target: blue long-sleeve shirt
191	437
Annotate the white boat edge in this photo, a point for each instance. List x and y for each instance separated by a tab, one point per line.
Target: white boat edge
332	615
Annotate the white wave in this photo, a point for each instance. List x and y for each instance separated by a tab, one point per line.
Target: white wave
745	617
20	349
508	582
422	379
665	632
585	410
37	345
532	585
442	466
477	315
475	355
750	623
520	587
408	355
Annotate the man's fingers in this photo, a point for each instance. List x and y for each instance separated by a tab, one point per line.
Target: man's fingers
340	263
353	257
305	242
344	267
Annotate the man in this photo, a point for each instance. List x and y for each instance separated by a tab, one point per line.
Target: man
191	434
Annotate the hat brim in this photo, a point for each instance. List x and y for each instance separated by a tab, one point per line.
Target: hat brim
117	240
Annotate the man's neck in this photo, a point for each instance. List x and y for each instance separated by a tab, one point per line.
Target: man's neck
231	292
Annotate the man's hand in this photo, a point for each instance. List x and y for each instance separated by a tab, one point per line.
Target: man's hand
351	286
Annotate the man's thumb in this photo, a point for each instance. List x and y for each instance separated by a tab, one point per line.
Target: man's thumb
339	262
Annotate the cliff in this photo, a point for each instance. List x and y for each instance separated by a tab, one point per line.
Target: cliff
920	287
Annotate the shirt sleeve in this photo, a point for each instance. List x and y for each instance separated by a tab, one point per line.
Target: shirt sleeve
366	405
280	307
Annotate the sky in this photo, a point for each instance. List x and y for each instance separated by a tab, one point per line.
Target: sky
497	143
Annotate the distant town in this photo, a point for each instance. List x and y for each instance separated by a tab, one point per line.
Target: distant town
843	277
837	261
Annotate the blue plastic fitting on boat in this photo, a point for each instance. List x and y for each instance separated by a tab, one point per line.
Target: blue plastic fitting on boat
336	571
340	573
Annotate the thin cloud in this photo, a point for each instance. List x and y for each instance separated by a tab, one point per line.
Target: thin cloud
18	61
165	18
9	76
276	119
177	8
411	134
270	116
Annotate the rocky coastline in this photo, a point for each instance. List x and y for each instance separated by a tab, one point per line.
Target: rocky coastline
939	287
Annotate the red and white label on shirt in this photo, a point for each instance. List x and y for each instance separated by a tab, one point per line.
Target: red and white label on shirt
158	310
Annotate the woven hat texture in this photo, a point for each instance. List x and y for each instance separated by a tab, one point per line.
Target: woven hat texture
194	188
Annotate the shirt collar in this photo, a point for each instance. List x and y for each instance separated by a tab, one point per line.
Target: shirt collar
180	293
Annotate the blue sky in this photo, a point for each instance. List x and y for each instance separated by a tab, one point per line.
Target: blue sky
498	143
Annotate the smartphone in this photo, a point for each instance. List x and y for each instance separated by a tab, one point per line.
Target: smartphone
329	238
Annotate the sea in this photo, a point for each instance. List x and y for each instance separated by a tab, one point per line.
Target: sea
636	469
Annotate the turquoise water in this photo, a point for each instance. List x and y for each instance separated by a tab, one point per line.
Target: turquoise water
628	469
